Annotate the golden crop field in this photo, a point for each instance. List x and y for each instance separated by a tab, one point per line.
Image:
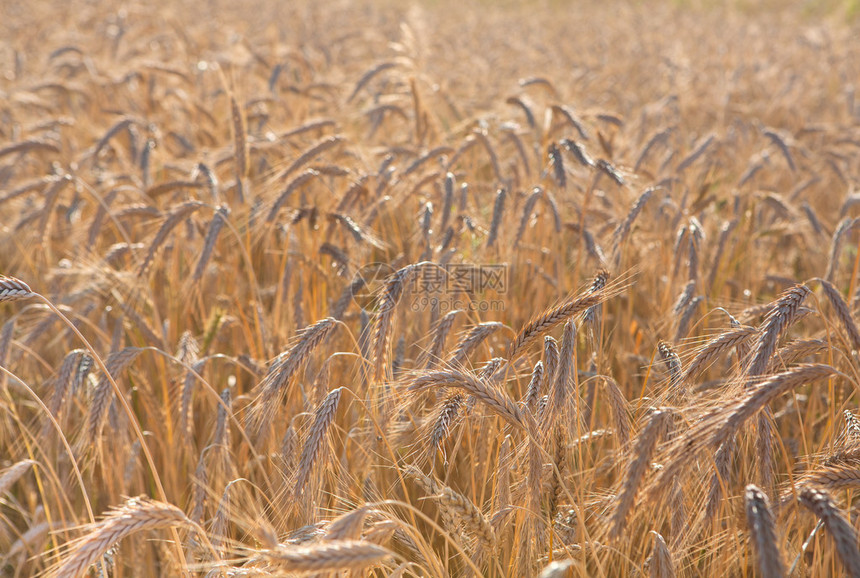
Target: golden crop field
439	288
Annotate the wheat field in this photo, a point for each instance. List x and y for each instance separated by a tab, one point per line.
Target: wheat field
371	288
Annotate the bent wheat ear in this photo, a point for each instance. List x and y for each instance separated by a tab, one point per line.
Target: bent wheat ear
782	314
844	534
13	473
660	563
471	341
323	417
138	514
719	425
842	312
12	289
643	450
273	386
497	401
761	524
551	318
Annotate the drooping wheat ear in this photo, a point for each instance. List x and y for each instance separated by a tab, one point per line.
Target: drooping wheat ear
657	138
563	393
608	169
426	220
6	334
203	173
560	460
550	361
725	231
311	153
503	474
459	508
570	116
349	292
551	318
391	294
843	532
687	317
186	405
660	564
434	354
356	232
28	145
368	76
833	477
490	371
348	526
717	426
695	237
796	350
719	479
782	314
221	436
215	226
274	385
299	181
323	416
471	340
495	400
533	392
836	242
623	229
714	348
578	151
136	515
764	448
481	136
326	556
618	403
13	473
557	163
64	380
287	450
498	211
446	417
103	394
112	132
673	365
448	200
643	450
592	314
12	289
173	219
552	203
240	145
528	208
199	493
763	533
780	143
700	149
840	307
